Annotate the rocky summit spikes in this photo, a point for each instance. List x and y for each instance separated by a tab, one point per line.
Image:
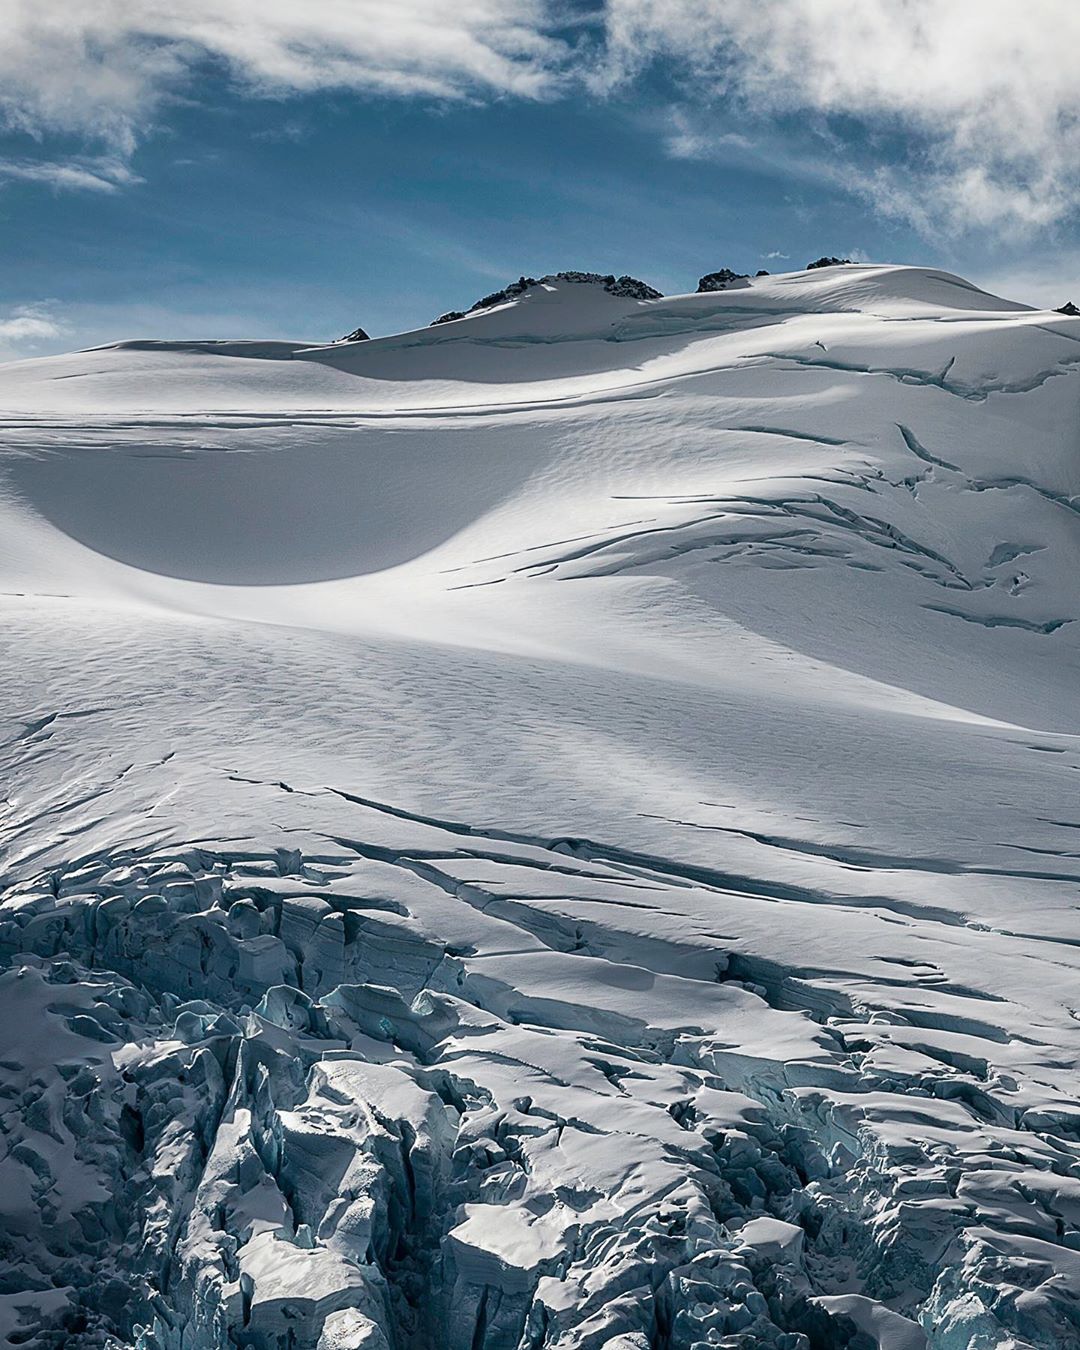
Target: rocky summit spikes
627	288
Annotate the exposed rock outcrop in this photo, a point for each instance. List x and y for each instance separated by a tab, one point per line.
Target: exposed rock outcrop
625	287
827	262
721	280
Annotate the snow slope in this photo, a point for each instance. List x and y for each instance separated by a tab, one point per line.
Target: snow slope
558	829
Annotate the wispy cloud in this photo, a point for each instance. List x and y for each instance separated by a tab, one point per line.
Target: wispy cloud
687	138
985	103
952	116
76	175
26	328
104	69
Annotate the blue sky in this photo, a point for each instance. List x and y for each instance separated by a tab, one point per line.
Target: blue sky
192	187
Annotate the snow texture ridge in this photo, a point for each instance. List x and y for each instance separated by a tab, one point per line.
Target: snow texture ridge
554	831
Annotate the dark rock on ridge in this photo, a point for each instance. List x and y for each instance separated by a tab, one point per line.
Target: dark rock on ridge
827	262
1068	308
510	292
625	287
720	281
357	335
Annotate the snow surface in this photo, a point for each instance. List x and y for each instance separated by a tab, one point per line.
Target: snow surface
559	829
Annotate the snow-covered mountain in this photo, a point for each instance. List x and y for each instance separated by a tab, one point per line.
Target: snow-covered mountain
560	829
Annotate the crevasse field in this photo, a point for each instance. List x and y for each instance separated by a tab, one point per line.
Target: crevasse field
560	829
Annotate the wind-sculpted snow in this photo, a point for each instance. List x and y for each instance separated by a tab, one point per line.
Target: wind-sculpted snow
558	830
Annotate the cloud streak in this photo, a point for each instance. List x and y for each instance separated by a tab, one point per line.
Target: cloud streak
76	175
982	101
103	68
951	116
28	327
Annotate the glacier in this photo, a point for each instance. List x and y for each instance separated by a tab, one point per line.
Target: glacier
558	829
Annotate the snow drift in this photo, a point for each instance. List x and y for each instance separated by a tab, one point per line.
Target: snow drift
557	829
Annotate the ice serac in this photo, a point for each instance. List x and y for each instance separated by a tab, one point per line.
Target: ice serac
559	829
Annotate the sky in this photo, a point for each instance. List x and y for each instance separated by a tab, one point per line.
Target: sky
268	168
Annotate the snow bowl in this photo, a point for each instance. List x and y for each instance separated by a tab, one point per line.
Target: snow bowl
336	503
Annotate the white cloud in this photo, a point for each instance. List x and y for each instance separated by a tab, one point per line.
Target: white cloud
27	327
951	114
983	96
101	68
79	175
688	139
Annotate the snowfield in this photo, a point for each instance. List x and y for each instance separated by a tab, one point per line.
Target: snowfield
560	829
